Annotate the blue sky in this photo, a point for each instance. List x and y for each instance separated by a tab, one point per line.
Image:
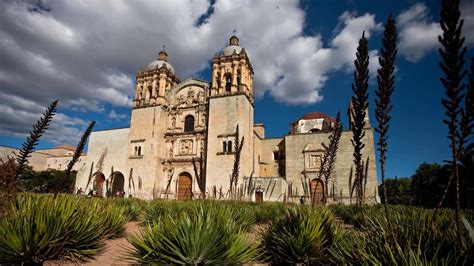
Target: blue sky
301	52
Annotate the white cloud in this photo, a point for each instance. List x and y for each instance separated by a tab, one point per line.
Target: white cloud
418	33
115	116
467	13
19	116
86	53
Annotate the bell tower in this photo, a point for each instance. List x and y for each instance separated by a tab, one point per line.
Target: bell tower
232	72
154	82
231	103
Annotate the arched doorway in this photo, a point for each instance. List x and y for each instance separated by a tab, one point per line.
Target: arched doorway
118	181
317	191
98	186
184	186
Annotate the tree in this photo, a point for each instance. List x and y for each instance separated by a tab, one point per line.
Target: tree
452	61
398	190
358	112
383	93
200	173
75	157
426	184
238	144
31	141
329	157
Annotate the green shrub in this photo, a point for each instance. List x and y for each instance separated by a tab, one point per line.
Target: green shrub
133	207
40	227
203	233
302	235
417	240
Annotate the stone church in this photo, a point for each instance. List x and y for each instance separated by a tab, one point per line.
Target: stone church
174	123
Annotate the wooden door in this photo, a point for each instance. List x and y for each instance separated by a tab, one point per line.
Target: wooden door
259	196
184	186
99	184
317	191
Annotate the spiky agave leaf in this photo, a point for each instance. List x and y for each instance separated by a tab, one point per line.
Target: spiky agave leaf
302	235
200	235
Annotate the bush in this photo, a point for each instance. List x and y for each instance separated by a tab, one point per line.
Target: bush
39	228
303	236
202	233
417	240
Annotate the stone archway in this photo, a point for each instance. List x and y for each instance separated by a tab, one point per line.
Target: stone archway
118	181
98	186
317	191
184	186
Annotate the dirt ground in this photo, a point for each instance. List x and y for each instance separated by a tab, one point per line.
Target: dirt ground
114	249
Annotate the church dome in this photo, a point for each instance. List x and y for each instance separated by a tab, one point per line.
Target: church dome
160	61
229	50
233	46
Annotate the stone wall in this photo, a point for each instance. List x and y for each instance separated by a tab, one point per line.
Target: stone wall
112	146
224	115
294	163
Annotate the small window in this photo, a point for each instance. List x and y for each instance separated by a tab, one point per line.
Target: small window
276	156
218	78
136	151
229	146
189	123
139	151
238	79
228	82
224	146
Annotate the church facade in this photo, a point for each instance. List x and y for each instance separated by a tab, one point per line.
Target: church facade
176	125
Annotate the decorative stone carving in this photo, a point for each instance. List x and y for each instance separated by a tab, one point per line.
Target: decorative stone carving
201	97
190	97
173	122
314	161
181	100
186	146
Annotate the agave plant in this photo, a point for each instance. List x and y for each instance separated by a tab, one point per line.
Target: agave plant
302	235
38	228
201	235
418	241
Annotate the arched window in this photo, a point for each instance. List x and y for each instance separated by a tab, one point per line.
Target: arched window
238	79
229	146
189	123
218	78
224	146
228	82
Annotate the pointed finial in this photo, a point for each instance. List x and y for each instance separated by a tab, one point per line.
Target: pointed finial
163	55
234	31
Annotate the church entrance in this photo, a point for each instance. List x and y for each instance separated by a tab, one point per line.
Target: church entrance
117	183
184	186
317	191
98	186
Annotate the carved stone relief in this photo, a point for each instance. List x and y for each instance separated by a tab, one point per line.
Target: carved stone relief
186	146
314	161
190	98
